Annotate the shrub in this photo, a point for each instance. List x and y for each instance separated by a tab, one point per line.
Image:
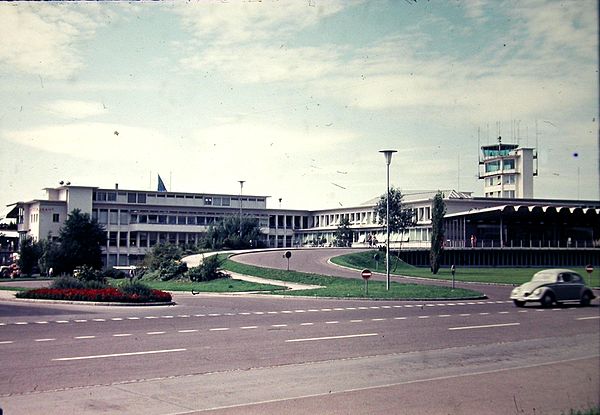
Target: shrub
172	269
86	274
66	282
113	274
136	288
208	270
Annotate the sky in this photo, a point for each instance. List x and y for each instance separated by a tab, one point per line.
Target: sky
296	98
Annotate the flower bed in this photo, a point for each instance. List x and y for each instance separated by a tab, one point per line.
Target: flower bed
100	295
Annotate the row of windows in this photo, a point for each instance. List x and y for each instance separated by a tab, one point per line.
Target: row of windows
141	198
497	180
150	239
123	217
497	165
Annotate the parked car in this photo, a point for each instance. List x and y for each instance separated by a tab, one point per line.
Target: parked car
553	286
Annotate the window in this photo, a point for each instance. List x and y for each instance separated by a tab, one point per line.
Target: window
113	217
226	201
103	216
124	217
111	197
122	238
131	197
133	239
55	217
492	166
509	164
112	239
172	220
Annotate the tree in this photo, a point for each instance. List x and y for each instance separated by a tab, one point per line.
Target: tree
29	255
226	234
400	218
438	210
162	254
81	240
344	236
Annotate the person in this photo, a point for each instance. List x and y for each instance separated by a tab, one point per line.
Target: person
131	274
50	272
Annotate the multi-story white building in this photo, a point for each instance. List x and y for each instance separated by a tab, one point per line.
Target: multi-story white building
507	170
137	220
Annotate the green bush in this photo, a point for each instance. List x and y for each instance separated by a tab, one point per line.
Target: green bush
113	274
137	288
87	274
67	282
172	269
208	270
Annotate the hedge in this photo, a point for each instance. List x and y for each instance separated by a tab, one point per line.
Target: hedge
110	294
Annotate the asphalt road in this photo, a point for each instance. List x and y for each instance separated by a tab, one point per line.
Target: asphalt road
258	354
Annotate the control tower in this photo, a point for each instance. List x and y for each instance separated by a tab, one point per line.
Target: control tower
507	170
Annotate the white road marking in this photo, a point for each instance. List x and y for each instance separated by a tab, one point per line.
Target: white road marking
38	322
44	340
258	313
286	312
272	312
332	322
219	329
241	314
117	319
423	316
445	315
84	337
484	327
187	331
7	342
307	324
166	316
249	327
133	318
484	314
378	319
122	335
349	336
465	315
326	309
504	312
589	318
80	321
279	325
356	321
350	308
102	356
153	333
62	321
23	323
101	319
399	318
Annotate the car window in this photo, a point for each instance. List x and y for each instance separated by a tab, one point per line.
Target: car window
576	278
544	277
564	277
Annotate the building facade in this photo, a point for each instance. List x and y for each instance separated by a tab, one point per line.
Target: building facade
137	220
507	170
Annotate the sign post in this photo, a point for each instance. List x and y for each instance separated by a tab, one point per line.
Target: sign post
366	274
453	271
288	255
589	268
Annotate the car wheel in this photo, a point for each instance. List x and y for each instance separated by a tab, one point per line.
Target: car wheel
547	300
586	299
519	303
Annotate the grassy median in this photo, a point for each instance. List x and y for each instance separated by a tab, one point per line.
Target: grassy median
362	260
350	288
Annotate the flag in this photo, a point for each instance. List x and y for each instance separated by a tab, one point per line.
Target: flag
161	185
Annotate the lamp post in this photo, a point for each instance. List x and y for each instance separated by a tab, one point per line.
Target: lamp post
241	189
388	160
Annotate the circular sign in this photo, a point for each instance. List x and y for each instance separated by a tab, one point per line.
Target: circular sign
589	268
288	254
366	274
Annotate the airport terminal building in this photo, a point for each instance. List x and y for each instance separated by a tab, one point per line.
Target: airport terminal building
501	230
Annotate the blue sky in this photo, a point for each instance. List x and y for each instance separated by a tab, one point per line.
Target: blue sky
295	97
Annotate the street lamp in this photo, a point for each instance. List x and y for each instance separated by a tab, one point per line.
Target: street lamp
388	161
241	188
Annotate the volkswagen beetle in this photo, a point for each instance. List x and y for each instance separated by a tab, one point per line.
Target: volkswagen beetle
553	286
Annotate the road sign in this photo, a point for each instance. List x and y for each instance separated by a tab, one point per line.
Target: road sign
366	274
287	256
589	269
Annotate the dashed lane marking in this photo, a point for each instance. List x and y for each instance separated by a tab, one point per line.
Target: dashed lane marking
487	326
102	356
348	336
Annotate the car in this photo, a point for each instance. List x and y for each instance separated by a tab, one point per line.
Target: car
553	286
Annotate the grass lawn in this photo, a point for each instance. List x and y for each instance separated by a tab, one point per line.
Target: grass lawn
349	288
364	260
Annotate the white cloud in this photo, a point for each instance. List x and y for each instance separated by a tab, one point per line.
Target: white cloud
39	38
74	109
95	141
235	22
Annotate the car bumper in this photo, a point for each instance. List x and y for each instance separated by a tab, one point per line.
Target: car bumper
525	298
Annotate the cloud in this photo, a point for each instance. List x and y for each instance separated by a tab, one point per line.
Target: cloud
74	109
40	39
235	22
95	141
